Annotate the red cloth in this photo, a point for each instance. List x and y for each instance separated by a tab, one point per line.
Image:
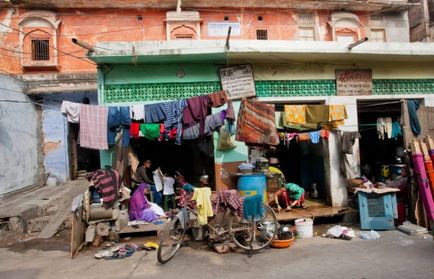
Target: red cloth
134	129
324	133
196	111
218	99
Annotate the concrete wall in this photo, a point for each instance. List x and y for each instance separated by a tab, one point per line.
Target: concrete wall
55	133
18	137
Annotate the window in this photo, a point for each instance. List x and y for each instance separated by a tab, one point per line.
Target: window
261	34
377	35
40	50
260	18
306	33
226	18
305	18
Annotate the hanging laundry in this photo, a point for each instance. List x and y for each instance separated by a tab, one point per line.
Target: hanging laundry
324	133
196	111
290	136
256	123
230	113
303	137
337	113
154	113
396	130
317	113
278	119
118	119
150	131
93	127
218	99
314	137
294	114
71	111
174	111
137	112
388	126
202	196
212	123
347	141
134	129
381	128
413	107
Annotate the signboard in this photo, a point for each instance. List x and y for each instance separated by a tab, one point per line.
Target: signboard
238	81
353	82
220	29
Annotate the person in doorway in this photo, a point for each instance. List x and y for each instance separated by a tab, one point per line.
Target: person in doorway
400	182
288	196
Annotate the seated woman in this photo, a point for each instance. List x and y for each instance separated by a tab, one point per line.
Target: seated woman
288	196
141	209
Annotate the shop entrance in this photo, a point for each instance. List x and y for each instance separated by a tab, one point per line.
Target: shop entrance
380	152
192	158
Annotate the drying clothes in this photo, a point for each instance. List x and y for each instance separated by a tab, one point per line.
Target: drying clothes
185	199
154	113
118	119
212	123
196	111
324	133
290	136
294	114
413	106
218	99
388	126
137	112
396	130
230	199
278	119
252	208
107	183
303	137
71	111
314	137
256	123
317	113
150	131
93	127
381	127
174	111
337	113
230	112
134	129
348	139
202	196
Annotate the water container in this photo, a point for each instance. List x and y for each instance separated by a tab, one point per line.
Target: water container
304	228
253	184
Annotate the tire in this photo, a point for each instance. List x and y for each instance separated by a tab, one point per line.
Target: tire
254	235
170	240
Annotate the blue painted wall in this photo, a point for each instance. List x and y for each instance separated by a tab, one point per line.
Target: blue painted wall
55	131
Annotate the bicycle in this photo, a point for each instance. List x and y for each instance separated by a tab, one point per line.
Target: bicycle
249	235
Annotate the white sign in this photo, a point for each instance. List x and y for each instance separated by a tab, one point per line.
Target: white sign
220	29
238	81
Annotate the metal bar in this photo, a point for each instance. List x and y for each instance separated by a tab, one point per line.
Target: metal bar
361	41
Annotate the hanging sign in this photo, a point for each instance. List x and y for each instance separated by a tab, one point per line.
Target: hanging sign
353	82
238	81
220	29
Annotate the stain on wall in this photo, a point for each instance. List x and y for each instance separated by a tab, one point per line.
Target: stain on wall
18	137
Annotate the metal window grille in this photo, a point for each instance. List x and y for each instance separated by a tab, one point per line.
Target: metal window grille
40	50
262	34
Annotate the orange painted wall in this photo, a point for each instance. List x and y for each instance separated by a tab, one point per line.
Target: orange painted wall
122	25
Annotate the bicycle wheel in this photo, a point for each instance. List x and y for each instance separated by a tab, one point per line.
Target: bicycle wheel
170	240
254	235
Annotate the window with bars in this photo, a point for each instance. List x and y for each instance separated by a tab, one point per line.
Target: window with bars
261	34
377	35
40	50
306	33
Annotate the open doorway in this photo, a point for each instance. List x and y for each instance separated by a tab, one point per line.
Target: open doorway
192	158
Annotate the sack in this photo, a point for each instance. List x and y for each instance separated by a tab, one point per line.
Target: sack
225	141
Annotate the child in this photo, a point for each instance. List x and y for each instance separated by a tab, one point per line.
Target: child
289	196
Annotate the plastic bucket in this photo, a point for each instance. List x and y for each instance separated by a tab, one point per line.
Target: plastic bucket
304	228
253	184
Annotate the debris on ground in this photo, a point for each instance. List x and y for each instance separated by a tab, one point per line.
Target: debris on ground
370	235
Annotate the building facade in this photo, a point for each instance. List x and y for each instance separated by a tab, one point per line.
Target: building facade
145	51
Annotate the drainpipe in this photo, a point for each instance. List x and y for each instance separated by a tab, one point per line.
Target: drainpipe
83	44
361	41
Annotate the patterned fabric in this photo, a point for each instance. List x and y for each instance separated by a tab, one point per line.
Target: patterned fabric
256	123
174	111
228	199
185	199
337	113
107	183
413	107
218	99
196	111
93	127
294	114
295	192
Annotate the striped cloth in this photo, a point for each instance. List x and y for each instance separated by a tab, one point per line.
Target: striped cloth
255	123
174	111
107	183
93	127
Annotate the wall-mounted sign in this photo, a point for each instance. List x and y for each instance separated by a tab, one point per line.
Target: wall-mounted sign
238	81
353	82
220	29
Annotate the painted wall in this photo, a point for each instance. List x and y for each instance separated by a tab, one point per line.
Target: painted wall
55	133
18	137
